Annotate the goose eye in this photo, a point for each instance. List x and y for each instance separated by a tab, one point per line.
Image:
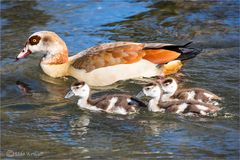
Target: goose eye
34	40
77	87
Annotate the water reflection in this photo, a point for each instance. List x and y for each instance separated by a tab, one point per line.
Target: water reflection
35	116
23	87
79	126
31	92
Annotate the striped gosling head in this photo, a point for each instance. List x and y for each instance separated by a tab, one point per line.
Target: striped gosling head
80	89
152	90
169	85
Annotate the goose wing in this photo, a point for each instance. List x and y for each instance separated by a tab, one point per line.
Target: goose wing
110	54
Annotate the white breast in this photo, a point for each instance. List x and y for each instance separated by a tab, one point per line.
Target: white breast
108	75
153	106
55	70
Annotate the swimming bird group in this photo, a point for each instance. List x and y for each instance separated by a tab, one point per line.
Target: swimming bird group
166	98
128	104
108	63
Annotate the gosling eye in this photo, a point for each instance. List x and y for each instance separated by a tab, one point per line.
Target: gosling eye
166	84
77	87
147	88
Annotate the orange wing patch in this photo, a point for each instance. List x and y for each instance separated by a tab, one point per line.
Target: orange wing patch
160	56
126	54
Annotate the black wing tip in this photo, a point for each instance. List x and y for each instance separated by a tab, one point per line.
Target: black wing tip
187	52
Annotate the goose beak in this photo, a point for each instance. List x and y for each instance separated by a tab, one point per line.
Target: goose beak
69	94
24	53
140	94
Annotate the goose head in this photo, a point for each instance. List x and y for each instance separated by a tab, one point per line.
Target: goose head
47	43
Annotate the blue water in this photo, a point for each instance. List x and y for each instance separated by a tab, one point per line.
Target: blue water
42	124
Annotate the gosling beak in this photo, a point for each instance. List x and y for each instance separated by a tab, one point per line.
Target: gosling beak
69	94
140	94
165	92
24	53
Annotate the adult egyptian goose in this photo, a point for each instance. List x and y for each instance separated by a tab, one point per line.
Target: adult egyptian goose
171	91
154	91
106	63
118	103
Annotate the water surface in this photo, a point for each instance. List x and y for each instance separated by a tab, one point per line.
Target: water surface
42	124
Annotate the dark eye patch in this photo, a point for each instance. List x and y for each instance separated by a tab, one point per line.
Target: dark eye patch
167	82
150	84
80	83
34	40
